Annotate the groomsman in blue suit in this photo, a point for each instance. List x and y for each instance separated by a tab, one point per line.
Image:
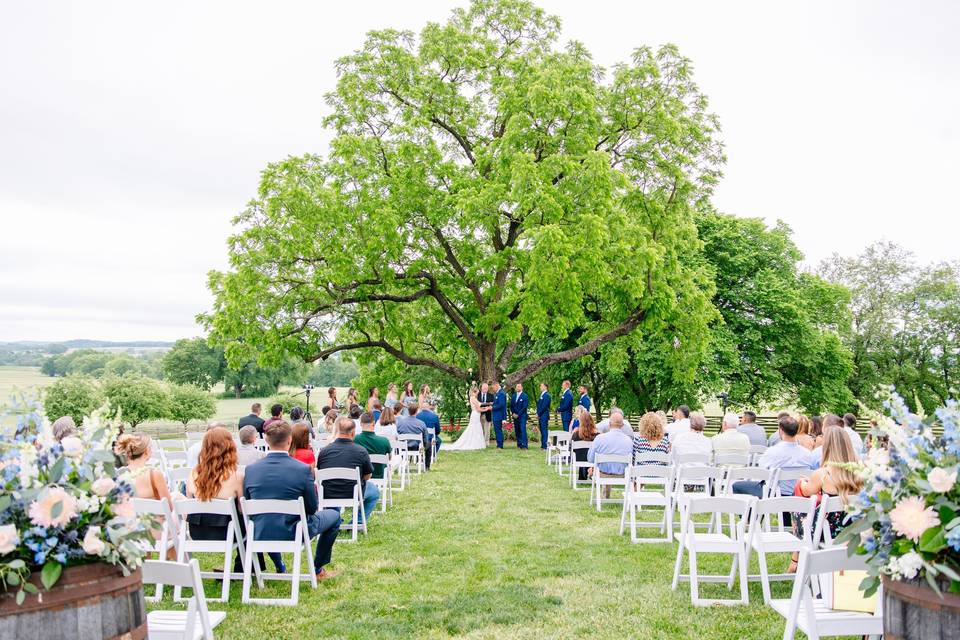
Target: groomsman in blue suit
519	406
584	398
566	406
543	414
499	412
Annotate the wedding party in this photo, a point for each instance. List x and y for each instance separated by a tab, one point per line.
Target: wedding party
479	319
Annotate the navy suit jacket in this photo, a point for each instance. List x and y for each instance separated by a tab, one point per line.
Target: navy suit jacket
499	408
520	404
543	403
430	419
277	476
585	402
566	403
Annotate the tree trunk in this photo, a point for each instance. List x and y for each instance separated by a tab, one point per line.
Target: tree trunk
487	361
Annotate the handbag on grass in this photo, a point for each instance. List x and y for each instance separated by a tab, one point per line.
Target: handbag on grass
847	595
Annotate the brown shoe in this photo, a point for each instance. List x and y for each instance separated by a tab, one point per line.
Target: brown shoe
326	575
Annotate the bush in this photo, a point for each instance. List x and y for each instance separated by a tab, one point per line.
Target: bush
137	397
287	400
74	396
187	402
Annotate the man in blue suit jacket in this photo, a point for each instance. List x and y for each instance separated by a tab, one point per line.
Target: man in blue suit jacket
430	418
280	477
584	398
499	412
543	414
566	406
519	407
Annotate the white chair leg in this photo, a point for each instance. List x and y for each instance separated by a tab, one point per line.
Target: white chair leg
744	591
678	563
694	580
764	576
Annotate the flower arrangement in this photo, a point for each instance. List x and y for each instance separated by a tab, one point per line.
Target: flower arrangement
906	520
63	503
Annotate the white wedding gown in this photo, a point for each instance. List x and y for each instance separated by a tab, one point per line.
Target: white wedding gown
472	437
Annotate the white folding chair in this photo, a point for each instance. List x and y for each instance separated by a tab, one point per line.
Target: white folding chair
694	481
786	474
648	485
599	482
195	436
552	448
731	459
384	483
176	477
696	543
399	463
359	521
576	465
172	445
413	456
815	617
232	540
197	622
652	457
562	455
821	533
261	444
159	509
172	460
692	458
300	544
434	450
756	450
762	540
750	474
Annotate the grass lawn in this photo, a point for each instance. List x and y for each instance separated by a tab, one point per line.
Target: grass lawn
494	544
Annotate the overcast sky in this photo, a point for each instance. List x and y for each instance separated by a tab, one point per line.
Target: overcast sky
131	132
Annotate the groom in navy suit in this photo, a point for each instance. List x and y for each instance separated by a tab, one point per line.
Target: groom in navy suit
519	406
543	414
498	412
566	406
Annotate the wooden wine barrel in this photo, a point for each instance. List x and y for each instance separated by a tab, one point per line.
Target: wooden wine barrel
914	611
89	602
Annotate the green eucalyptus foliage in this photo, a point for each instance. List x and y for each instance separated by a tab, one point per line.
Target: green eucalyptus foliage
492	204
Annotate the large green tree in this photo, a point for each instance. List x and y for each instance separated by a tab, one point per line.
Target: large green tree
192	361
486	190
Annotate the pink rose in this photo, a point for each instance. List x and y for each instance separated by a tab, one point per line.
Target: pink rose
941	480
8	538
103	486
124	509
92	543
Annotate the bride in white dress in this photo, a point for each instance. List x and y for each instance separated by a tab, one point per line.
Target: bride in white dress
472	437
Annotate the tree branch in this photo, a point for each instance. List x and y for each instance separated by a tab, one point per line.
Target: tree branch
541	363
414	361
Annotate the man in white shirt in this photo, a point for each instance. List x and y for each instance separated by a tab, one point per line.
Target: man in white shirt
729	440
692	440
193	453
849	422
681	422
247	452
604	425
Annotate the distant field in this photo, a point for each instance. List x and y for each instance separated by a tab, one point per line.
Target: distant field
30	380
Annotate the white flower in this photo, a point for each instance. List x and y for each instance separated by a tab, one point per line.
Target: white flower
103	486
941	480
8	538
910	564
92	543
72	447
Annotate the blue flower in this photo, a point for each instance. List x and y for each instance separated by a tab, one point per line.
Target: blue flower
52	541
953	539
39	557
60	557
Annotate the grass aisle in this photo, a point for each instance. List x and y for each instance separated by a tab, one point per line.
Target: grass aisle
493	544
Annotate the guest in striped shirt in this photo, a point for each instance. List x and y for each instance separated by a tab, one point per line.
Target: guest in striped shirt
652	438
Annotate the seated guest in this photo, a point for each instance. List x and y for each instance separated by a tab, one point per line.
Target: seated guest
374	444
680	424
849	426
247	452
692	440
750	428
276	415
604	424
64	426
412	424
355	413
345	453
829	420
816	430
775	436
377	410
216	477
586	431
297	416
615	442
730	439
651	439
804	437
787	454
147	482
193	452
279	477
253	419
300	448
329	420
387	424
428	415
830	480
